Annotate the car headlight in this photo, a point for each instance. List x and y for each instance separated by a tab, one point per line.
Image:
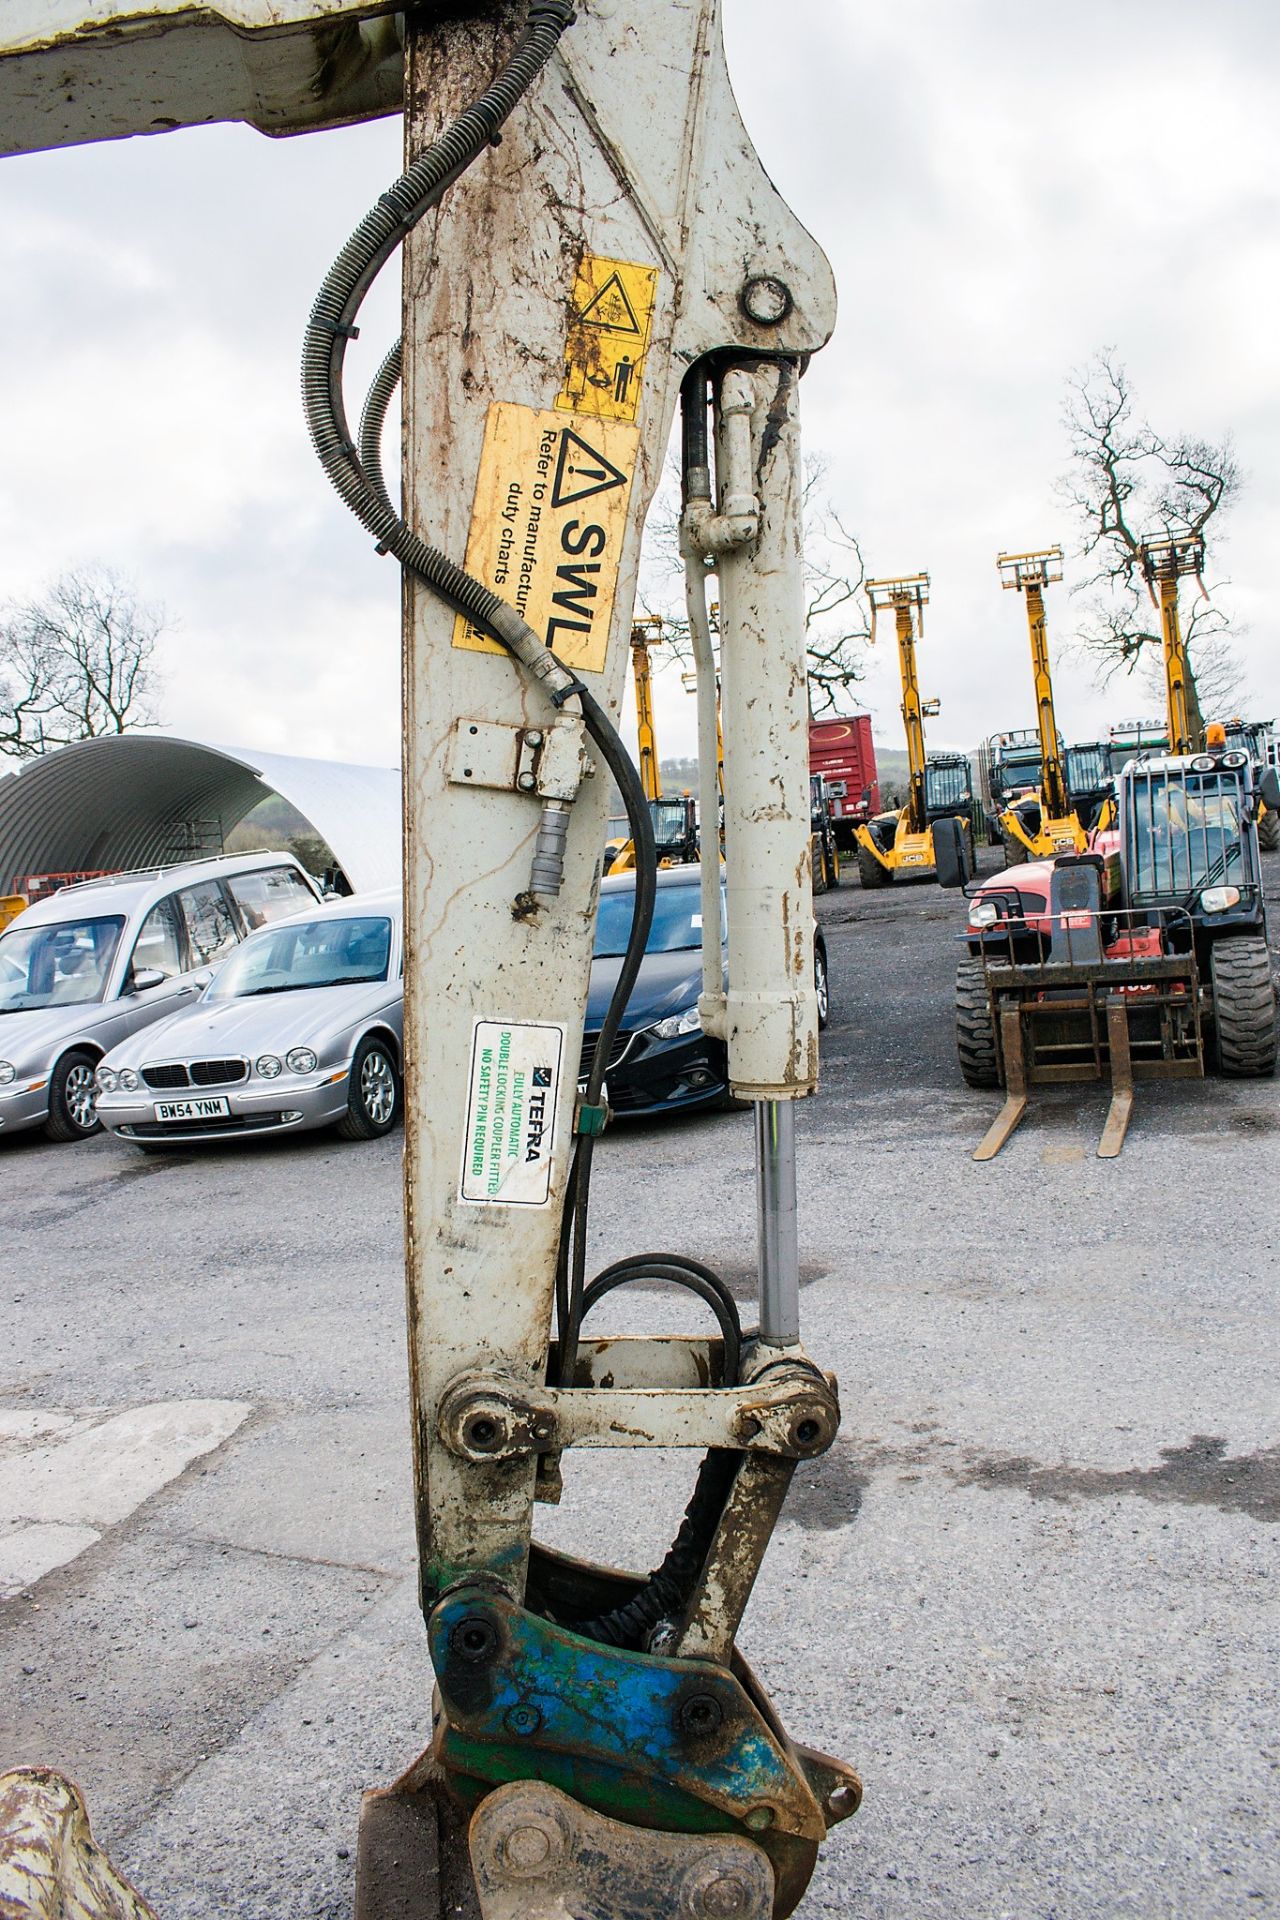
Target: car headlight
983	913
267	1065
128	1080
300	1060
1218	899
105	1080
676	1024
7	1072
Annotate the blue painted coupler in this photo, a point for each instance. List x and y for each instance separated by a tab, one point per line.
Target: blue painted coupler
585	1689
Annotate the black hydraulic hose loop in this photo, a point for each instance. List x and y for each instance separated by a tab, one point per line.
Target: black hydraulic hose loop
680	1272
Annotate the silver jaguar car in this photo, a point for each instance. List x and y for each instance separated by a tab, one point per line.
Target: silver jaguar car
302	1026
96	963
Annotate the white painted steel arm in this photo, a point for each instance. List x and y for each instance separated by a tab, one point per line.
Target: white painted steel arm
772	1009
622	162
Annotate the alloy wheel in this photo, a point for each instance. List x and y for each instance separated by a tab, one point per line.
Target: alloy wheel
378	1087
80	1098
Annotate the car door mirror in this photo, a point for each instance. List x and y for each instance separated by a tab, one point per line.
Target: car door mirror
144	978
202	979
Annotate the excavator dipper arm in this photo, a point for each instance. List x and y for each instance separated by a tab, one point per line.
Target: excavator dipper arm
588	239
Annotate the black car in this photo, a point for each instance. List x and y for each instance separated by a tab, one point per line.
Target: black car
662	1062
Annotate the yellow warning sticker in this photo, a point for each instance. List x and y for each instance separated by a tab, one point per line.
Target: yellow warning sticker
547	526
611	317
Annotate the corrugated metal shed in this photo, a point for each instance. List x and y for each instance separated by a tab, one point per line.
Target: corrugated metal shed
144	799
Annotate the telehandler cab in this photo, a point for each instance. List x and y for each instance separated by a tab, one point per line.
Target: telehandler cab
1091	784
1258	739
1133	958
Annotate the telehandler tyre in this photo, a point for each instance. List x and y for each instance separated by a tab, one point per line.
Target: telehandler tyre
975	1030
870	872
1244	1007
1014	851
1269	831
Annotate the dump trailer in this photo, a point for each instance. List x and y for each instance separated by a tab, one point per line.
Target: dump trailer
1137	959
842	751
933	832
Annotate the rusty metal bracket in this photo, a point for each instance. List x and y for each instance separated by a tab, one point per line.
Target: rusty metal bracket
719	1598
487	1417
538	1855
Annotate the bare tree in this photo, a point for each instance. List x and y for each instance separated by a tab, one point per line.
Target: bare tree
76	662
835	619
1125	482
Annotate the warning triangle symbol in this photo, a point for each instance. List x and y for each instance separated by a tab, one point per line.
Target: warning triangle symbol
610	308
581	471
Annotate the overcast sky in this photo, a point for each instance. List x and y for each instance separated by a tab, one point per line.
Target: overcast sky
1003	186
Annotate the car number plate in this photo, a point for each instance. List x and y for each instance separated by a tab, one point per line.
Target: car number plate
215	1108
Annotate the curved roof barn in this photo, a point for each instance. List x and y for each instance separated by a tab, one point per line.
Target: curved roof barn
145	799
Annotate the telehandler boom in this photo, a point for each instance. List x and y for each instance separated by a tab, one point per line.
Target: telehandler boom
1166	559
1047	824
675	819
934	830
588	240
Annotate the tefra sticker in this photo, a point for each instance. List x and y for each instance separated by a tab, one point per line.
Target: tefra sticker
548	524
511	1108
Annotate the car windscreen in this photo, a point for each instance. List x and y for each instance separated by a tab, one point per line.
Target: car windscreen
63	965
677	920
1183	834
330	952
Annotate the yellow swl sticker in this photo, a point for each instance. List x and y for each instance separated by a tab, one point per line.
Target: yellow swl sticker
611	314
547	527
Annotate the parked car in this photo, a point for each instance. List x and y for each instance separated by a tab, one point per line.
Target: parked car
302	1026
97	962
662	1061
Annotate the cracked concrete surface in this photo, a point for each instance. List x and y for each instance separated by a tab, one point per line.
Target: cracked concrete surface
1031	1593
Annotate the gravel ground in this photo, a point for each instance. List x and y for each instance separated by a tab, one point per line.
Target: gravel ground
1030	1593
